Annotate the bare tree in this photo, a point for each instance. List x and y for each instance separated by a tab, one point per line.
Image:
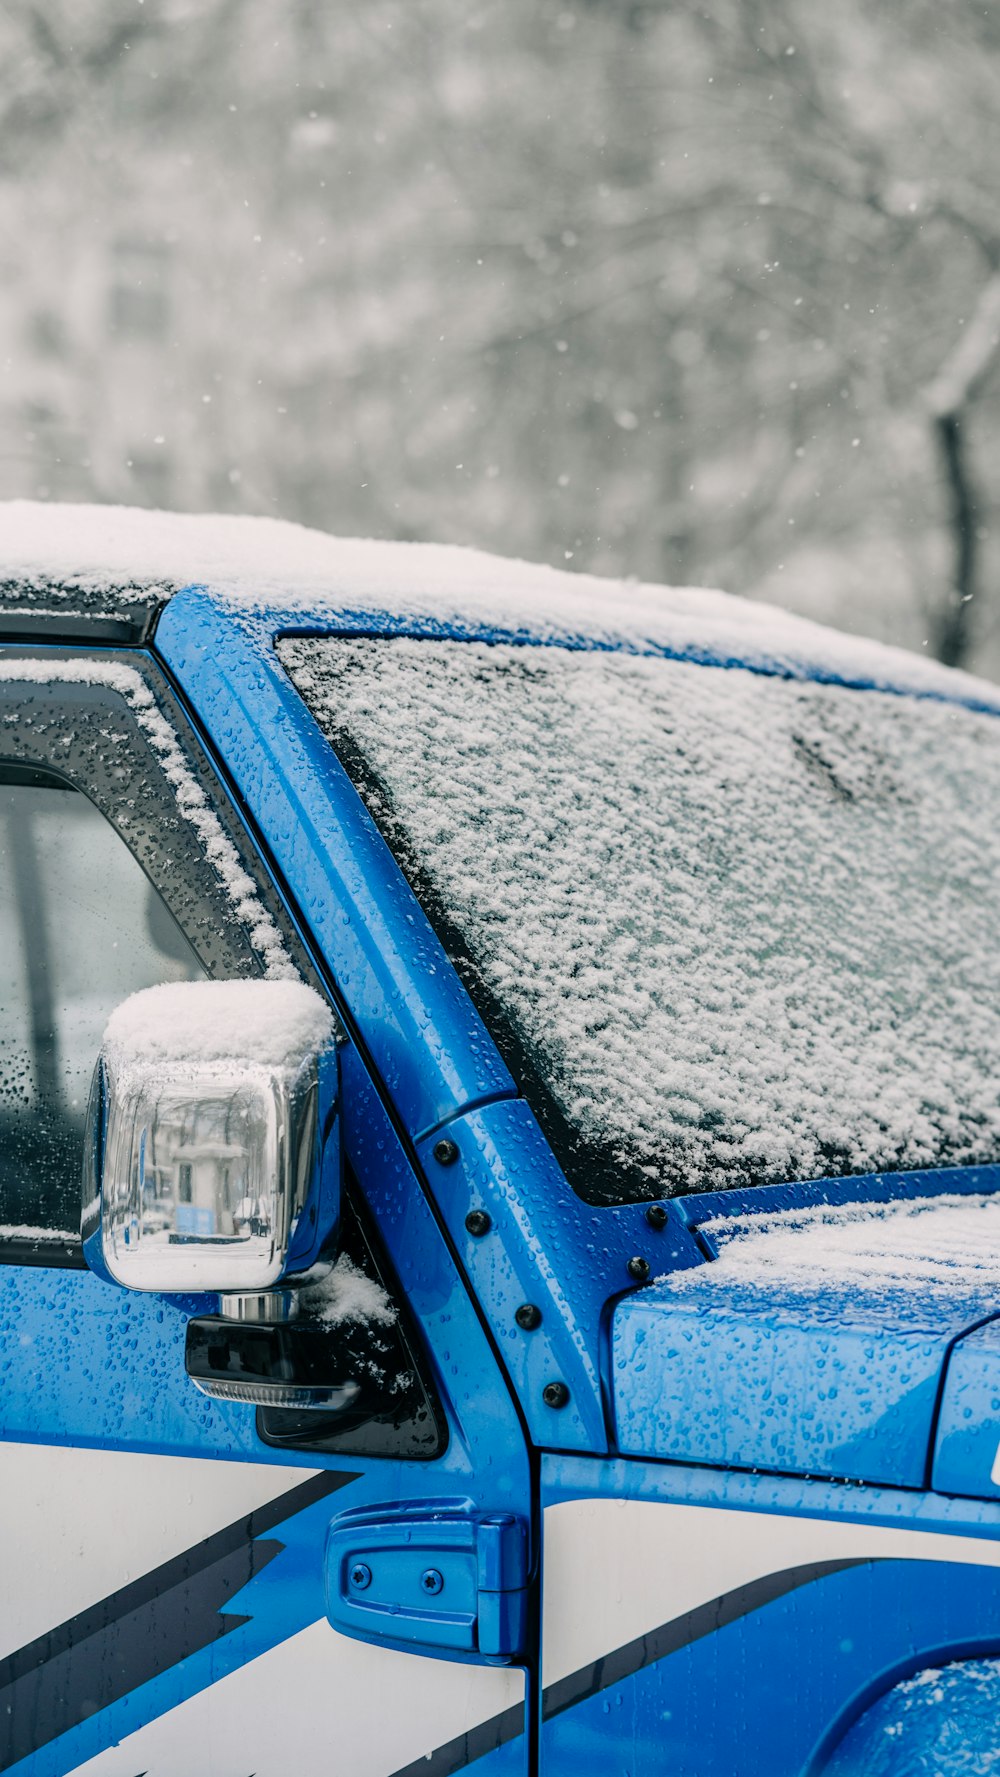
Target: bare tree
653	289
951	398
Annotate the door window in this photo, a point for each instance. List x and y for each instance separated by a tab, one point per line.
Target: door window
81	928
121	867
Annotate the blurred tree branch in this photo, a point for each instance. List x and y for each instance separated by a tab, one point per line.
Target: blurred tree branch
950	399
656	289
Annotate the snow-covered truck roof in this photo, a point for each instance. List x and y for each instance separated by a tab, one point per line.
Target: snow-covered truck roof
111	568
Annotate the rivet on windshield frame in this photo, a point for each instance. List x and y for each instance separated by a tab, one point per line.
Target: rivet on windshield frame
445	1151
638	1268
555	1394
657	1215
478	1223
528	1316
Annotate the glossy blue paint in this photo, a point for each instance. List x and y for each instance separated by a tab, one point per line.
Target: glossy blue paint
825	1381
85	1362
547	1247
486	1442
743	1376
967	1448
566	1476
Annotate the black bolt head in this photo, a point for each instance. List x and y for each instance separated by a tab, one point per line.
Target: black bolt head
657	1215
528	1316
555	1394
478	1223
446	1151
638	1268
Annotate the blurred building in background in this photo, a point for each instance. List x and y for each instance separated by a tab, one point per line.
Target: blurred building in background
703	294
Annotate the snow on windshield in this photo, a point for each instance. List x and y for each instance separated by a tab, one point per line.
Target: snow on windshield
743	929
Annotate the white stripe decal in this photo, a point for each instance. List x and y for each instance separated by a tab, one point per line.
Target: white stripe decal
79	1524
318	1705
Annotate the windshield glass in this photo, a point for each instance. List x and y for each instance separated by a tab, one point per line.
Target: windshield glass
728	929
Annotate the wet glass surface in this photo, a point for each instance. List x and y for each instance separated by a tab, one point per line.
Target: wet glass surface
81	927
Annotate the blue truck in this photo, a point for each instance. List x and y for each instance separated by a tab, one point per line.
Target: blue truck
499	1188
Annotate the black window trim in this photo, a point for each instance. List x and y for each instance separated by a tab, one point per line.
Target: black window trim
166	857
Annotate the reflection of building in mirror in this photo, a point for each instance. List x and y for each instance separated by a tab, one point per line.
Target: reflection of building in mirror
195	1173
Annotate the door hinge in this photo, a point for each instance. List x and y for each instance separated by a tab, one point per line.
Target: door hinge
431	1579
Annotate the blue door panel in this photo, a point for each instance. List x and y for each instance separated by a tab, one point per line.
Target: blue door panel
147	1648
722	1642
756	1696
83	1362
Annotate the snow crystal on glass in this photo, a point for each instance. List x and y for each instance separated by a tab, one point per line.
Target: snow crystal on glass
747	927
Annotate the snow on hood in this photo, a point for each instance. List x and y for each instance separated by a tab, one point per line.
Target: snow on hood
256	562
273	1024
947	1243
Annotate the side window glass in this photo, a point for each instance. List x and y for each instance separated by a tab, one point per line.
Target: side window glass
81	927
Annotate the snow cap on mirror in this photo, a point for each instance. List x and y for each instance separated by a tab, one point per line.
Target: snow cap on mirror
271	1024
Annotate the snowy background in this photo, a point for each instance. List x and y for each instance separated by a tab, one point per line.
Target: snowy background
698	293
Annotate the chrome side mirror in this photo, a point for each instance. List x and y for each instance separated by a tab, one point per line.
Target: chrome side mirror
212	1158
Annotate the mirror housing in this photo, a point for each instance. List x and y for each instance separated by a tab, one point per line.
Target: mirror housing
212	1159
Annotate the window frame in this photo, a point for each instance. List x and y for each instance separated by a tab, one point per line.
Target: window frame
61	728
